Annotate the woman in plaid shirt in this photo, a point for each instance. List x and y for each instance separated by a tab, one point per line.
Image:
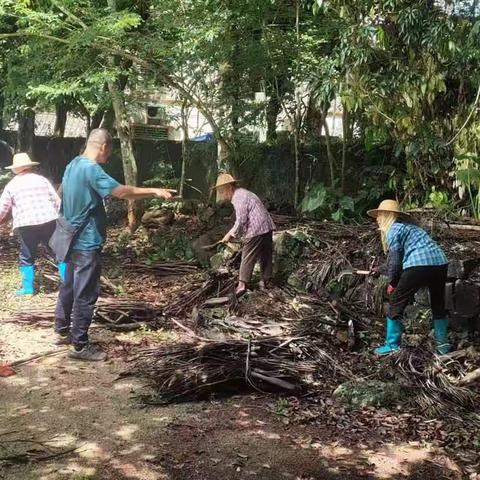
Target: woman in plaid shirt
414	261
34	205
254	225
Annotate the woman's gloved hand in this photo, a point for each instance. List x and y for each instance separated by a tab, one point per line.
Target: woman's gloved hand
390	290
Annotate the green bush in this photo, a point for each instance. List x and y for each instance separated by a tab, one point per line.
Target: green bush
4	179
325	202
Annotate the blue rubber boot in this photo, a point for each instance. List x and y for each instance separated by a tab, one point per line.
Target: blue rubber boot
392	338
62	270
440	330
28	276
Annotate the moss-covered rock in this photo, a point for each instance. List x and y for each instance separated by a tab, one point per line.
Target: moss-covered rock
371	393
288	247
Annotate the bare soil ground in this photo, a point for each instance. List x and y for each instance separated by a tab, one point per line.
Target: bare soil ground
86	410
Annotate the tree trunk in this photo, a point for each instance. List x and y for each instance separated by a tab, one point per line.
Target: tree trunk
108	120
224	153
298	118
273	109
26	130
123	130
331	158
61	111
297	168
2	104
276	92
473	8
185	147
345	139
88	121
97	118
126	146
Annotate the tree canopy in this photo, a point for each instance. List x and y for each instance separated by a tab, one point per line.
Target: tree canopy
405	72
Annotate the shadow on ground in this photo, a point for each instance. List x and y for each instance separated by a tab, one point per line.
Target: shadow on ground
84	407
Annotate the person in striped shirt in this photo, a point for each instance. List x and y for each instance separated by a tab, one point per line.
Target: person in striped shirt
252	223
34	205
414	261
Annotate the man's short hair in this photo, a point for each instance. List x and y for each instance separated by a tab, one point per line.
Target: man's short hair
99	136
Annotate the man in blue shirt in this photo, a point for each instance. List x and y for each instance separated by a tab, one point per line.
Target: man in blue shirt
85	185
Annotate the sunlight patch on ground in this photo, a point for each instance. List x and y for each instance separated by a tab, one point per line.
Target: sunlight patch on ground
16	381
93	451
163	420
386	462
73	470
126	431
64	440
129	470
139	447
268	435
129	384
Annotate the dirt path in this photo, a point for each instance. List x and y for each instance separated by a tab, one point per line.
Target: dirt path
85	407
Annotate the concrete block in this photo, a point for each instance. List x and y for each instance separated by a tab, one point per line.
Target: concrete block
467	298
461	269
450	296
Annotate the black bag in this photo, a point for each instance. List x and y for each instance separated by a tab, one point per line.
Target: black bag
62	239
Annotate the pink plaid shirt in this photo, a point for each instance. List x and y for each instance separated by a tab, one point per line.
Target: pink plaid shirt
252	218
32	200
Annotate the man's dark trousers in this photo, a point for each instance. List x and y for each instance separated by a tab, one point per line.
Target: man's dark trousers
78	295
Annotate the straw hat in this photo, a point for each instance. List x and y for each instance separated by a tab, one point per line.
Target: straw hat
21	161
224	179
387	206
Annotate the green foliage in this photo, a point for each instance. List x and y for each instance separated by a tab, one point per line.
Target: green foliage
405	72
439	200
4	179
163	175
168	247
469	178
325	202
282	407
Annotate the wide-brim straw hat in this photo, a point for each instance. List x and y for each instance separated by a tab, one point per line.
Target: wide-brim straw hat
20	161
387	206
224	179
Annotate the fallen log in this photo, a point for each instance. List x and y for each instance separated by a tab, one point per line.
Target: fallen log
470	378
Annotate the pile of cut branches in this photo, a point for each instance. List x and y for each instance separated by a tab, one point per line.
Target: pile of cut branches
436	380
216	284
120	314
195	371
334	251
166	269
117	314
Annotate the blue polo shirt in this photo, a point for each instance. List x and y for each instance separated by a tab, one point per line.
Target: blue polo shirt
85	185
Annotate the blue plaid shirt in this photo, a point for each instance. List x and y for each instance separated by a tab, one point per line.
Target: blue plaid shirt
414	246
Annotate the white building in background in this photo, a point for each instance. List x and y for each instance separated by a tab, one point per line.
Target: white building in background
161	109
157	116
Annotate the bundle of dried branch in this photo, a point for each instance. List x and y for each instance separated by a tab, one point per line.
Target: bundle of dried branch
187	372
118	314
216	284
434	377
335	253
166	269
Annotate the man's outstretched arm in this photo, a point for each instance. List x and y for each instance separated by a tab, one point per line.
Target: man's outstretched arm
127	192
